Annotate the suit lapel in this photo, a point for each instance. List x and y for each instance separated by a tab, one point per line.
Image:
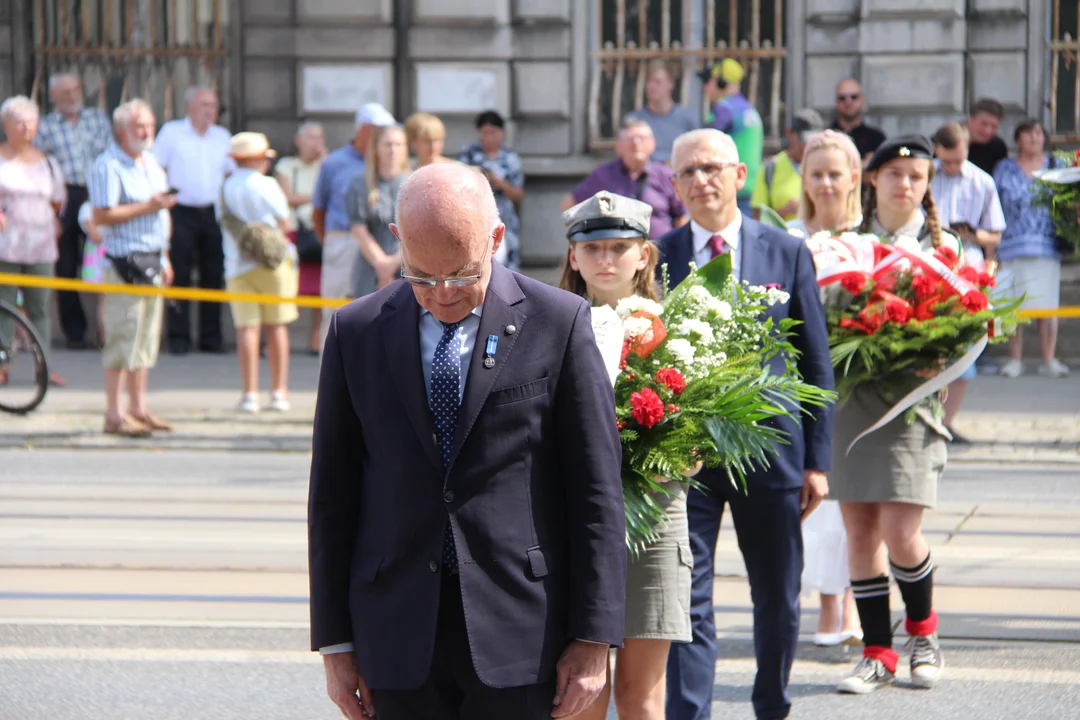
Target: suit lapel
499	313
753	255
680	255
401	333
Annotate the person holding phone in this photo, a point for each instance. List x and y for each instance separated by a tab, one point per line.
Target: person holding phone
968	204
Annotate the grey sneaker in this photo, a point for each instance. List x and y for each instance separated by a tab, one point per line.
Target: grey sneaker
927	662
868	676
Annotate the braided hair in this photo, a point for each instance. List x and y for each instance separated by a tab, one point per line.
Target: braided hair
933	222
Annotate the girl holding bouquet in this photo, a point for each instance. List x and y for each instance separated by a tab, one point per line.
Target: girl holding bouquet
891	476
831	186
609	259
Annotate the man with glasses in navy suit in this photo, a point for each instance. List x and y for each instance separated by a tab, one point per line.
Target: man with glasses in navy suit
708	177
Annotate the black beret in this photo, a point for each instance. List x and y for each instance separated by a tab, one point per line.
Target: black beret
902	146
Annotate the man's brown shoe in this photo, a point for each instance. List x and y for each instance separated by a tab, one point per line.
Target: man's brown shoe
126	427
153	422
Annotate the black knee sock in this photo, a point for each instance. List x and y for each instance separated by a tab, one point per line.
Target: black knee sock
872	599
917	588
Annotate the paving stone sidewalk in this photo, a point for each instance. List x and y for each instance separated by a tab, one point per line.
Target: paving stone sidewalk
1026	419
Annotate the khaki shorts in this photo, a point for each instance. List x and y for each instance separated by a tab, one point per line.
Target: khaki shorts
283	281
132	327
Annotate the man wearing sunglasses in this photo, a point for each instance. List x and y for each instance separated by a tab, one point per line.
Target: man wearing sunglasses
850	104
466	542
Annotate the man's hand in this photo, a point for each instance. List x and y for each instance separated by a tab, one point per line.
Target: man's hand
815	488
3	221
580	676
167	275
162	201
790	209
343	682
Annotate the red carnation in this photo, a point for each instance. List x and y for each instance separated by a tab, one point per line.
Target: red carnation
974	301
854	284
987	280
925	309
923	285
969	273
648	408
947	256
672	378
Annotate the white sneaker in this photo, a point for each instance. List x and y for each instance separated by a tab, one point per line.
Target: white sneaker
1054	369
279	402
927	662
249	404
869	675
1012	369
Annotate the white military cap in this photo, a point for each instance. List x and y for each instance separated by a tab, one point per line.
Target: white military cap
606	215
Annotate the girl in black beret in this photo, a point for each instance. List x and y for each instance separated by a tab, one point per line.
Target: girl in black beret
891	476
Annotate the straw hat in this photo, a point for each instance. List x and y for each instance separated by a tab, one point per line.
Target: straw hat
251	146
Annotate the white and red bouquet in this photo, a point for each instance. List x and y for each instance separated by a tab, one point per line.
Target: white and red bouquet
899	315
693	388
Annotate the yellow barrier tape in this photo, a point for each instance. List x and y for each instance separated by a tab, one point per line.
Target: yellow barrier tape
178	293
172	293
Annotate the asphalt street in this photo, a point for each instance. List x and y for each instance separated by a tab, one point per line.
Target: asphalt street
169	585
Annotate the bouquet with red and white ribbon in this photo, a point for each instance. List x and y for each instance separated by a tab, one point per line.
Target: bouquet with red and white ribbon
691	387
905	319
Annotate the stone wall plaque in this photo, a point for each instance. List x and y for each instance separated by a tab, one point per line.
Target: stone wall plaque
341	88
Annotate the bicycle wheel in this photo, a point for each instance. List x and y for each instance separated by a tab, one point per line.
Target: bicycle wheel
24	373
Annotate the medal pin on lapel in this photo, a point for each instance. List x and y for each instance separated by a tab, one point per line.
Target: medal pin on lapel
489	351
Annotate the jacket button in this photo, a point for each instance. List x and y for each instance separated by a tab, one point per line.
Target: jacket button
448	496
433	566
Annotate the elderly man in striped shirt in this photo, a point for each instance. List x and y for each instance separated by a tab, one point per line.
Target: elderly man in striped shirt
130	197
968	203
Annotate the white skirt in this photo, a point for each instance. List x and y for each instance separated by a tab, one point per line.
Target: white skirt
1039	277
825	557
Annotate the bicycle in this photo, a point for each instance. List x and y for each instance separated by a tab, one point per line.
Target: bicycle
24	371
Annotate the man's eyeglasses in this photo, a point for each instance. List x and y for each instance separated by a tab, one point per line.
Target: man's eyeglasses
458	281
852	97
710	171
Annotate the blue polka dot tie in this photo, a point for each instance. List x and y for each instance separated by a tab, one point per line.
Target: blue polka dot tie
445	402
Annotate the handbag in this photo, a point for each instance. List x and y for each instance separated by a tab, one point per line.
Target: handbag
266	246
139	268
308	246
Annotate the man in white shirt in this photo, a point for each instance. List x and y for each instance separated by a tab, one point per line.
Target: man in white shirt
195	154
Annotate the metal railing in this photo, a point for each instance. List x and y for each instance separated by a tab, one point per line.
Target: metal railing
630	34
122	49
1064	49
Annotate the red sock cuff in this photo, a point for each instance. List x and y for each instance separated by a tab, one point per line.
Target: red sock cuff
886	655
922	627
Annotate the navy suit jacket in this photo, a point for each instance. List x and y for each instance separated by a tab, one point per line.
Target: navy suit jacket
533	492
771	256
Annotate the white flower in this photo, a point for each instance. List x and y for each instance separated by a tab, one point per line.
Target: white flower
908	243
699	294
852	238
636	303
720	309
682	351
634	327
774	296
691	327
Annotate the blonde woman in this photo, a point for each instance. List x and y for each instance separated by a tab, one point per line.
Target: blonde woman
426	135
370	202
831	172
831	175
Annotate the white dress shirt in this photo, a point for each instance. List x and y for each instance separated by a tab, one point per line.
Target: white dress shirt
196	164
731	234
431	330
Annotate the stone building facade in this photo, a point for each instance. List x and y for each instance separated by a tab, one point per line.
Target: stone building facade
562	71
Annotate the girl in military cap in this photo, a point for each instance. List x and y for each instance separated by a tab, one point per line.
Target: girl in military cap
610	258
891	476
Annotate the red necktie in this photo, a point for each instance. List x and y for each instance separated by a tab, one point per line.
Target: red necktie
717	245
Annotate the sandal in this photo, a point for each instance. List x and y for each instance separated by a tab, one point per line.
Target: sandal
126	427
153	422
